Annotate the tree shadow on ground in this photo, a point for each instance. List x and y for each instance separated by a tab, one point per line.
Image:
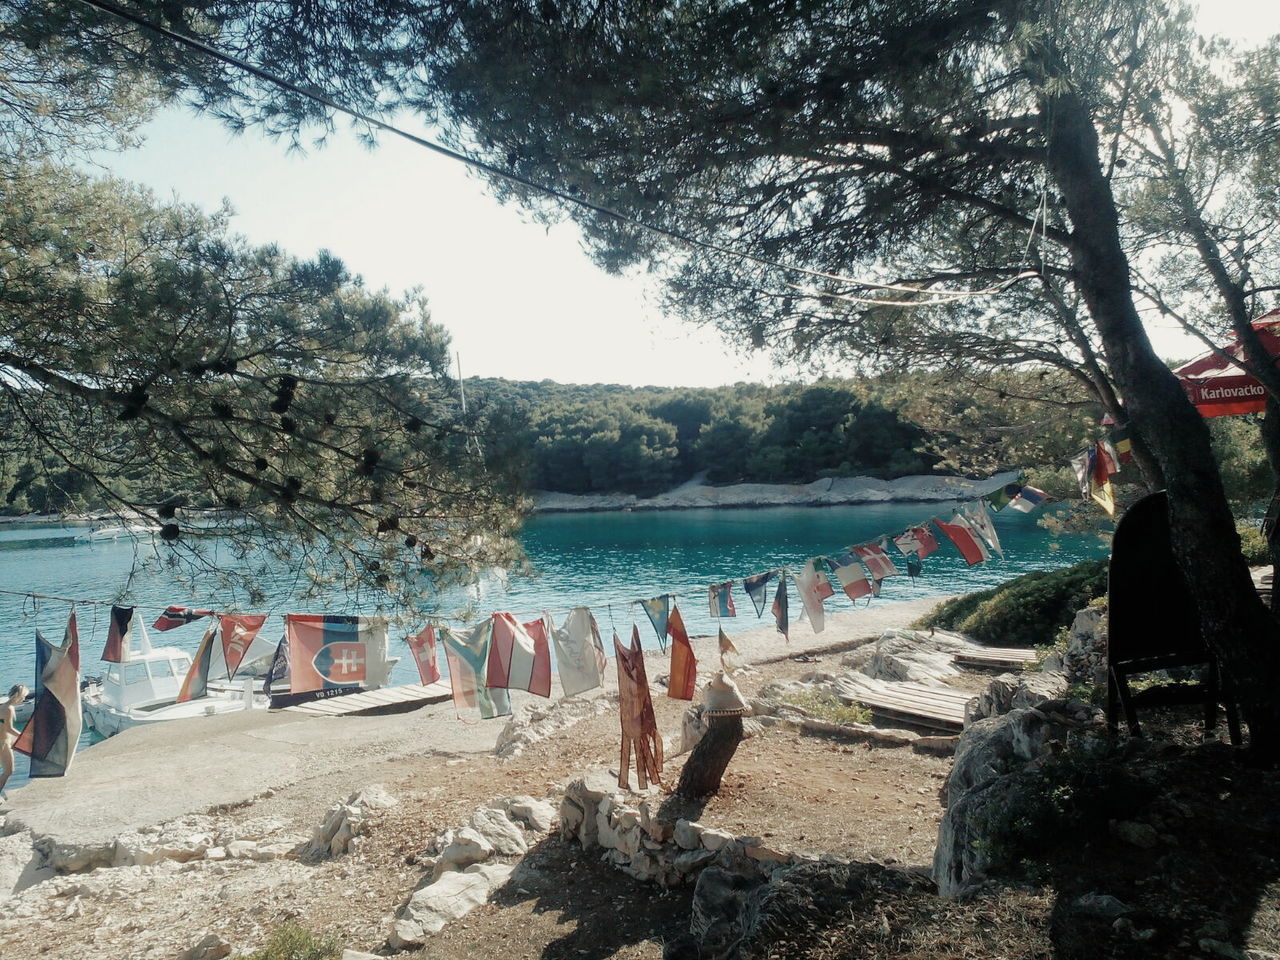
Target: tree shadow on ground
1197	868
601	910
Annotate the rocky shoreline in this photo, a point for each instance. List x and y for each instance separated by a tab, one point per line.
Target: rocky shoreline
827	492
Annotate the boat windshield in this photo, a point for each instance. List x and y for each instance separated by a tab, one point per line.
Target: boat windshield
135	673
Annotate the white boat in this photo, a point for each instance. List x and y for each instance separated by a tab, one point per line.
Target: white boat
115	532
144	690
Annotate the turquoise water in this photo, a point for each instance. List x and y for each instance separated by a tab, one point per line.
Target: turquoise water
600	560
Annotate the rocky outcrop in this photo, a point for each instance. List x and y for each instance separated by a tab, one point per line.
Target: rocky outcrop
453	895
1014	691
917	655
982	781
828	491
637	838
736	915
465	866
1085	659
346	824
184	840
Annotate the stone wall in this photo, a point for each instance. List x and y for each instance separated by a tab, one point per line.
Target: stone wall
638	839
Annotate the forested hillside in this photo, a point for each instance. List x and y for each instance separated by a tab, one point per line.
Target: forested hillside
598	438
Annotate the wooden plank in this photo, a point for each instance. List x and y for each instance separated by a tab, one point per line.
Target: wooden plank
375	699
932	709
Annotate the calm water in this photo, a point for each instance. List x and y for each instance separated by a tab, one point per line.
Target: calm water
601	560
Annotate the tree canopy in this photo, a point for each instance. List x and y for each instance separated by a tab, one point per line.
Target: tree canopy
800	165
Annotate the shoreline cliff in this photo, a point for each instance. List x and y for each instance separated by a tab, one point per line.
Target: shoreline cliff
829	491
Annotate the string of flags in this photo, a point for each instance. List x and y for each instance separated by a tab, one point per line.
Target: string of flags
328	653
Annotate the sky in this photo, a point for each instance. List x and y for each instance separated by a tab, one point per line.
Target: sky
520	301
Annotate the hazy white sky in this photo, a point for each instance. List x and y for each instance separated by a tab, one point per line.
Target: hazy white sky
520	301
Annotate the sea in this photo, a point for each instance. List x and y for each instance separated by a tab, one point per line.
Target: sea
604	561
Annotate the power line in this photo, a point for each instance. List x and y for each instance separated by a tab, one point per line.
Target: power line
320	97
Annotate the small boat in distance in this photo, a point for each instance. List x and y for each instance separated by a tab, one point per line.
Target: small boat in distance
115	532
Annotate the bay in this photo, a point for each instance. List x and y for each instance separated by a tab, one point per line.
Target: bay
601	560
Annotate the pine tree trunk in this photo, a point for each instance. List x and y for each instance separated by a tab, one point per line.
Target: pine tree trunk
709	759
1236	625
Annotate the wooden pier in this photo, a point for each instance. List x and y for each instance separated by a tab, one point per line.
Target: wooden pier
399	699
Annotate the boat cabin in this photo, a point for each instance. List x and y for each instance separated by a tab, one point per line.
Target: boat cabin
154	678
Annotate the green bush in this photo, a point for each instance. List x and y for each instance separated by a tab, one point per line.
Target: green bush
1027	611
1060	800
1253	544
827	706
292	942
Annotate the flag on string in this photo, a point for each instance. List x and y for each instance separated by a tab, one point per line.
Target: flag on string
279	669
333	651
196	682
918	540
580	655
729	658
540	632
808	585
119	635
1001	496
1083	465
684	665
720	600
978	517
914	567
781	615
850	574
658	609
1106	460
51	735
179	616
876	560
468	657
513	661
1028	499
1105	465
1122	441
875	588
238	631
757	589
423	648
635	709
966	541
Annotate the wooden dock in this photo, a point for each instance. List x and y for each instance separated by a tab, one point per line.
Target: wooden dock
410	696
1006	658
937	708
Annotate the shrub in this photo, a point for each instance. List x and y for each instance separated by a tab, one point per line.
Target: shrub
292	942
1253	544
1026	611
827	706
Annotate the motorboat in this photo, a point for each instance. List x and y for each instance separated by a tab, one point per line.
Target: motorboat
144	690
115	532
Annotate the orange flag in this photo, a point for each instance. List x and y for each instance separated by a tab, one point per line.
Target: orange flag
684	665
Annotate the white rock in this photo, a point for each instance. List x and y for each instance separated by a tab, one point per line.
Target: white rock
241	849
688	836
538	815
210	947
372	797
453	895
713	839
467	847
503	836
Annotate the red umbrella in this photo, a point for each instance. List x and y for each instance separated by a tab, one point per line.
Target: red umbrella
1218	387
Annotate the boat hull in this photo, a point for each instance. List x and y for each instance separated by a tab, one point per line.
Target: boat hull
107	720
